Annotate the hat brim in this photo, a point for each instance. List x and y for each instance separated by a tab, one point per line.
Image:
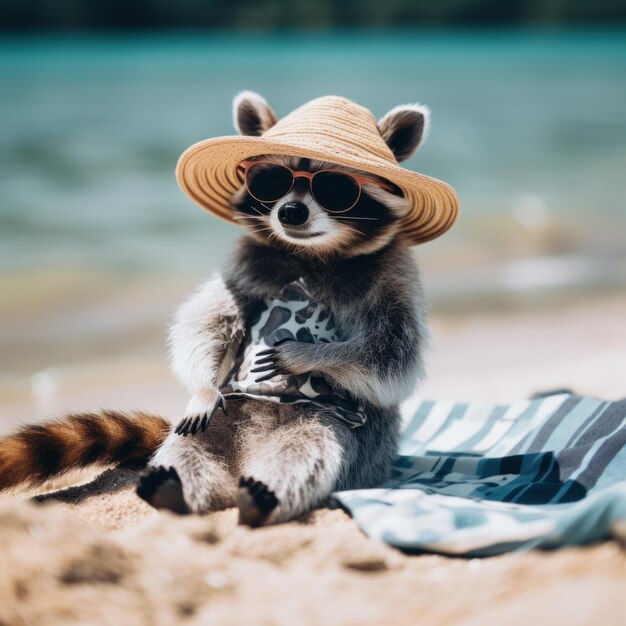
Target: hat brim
207	173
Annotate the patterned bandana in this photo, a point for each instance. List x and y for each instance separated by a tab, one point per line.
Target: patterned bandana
292	315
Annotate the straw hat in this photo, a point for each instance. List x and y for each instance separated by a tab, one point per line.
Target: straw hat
332	129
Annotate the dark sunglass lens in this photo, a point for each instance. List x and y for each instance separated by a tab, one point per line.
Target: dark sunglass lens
268	182
335	191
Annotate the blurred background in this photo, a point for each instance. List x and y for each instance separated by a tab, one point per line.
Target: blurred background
98	99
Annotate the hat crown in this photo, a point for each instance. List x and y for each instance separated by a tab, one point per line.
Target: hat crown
334	125
332	129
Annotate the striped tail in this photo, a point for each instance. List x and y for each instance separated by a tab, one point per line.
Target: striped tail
39	452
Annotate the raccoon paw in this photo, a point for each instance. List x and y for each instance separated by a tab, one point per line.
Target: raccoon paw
162	489
268	365
199	412
255	501
283	358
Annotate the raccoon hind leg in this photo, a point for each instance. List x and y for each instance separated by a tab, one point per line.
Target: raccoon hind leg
194	473
293	467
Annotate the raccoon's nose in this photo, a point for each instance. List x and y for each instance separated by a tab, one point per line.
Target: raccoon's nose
293	214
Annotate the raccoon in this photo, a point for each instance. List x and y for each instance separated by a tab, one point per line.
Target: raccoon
296	356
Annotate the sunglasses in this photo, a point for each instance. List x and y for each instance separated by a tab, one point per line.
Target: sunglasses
334	191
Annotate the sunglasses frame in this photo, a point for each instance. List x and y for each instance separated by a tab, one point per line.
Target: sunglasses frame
245	166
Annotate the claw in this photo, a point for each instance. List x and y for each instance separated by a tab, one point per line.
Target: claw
205	422
266	377
194	425
200	421
223	407
263	368
264	361
266	352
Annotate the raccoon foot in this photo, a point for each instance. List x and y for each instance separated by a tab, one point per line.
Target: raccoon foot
255	501
162	489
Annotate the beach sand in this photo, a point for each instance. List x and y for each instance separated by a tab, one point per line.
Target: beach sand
95	554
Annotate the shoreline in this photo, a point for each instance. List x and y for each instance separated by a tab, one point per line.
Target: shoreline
500	356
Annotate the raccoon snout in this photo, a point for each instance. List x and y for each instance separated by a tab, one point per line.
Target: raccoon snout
293	214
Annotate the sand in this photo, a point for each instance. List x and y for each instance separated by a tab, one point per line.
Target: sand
95	554
106	558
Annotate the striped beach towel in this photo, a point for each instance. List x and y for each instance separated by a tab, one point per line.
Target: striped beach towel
480	479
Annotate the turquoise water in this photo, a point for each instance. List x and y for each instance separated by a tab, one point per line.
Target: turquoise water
90	130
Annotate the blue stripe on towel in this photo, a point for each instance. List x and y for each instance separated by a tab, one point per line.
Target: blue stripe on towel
553	474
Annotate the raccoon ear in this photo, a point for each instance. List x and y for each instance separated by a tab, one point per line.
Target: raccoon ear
405	128
251	114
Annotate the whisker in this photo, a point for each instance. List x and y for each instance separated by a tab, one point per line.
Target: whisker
255	209
339	217
260	230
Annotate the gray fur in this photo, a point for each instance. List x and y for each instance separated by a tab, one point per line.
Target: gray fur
301	452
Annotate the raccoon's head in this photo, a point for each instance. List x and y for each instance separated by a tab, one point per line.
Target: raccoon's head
319	207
